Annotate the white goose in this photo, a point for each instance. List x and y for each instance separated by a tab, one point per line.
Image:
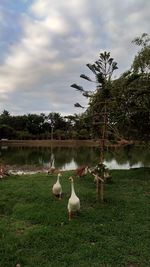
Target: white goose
52	168
57	188
74	201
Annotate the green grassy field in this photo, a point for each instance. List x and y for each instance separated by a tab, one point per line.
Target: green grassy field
35	231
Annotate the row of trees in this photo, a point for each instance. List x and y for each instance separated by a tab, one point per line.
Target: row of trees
125	102
51	126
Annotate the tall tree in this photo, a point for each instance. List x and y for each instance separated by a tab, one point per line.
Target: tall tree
141	63
132	91
103	70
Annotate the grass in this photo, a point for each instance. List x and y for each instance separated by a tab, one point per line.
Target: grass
35	231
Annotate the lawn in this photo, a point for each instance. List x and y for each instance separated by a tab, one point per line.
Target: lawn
35	230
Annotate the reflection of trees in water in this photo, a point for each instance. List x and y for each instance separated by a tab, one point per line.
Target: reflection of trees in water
119	154
139	154
62	156
86	156
19	156
37	156
131	154
42	155
80	155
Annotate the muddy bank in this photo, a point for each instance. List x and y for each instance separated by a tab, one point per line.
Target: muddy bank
49	143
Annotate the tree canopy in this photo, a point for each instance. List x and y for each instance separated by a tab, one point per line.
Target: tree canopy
127	98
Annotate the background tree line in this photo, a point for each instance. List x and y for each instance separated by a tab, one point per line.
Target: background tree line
33	126
125	100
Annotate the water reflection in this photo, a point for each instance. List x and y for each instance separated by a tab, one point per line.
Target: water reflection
67	158
115	165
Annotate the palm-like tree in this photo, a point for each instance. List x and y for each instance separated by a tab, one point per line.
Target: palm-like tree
103	70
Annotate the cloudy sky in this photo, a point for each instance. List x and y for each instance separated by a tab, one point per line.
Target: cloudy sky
46	44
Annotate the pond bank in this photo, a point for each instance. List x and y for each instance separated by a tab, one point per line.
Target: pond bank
49	143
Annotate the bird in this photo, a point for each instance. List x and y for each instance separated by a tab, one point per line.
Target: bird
1	173
52	168
81	171
57	188
74	201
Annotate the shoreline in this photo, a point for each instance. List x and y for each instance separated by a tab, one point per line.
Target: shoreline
49	143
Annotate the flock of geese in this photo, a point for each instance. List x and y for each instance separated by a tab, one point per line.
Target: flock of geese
73	202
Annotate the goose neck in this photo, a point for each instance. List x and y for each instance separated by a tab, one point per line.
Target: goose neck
72	188
58	178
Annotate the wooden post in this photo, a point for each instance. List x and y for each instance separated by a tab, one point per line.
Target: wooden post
104	136
102	191
99	187
103	143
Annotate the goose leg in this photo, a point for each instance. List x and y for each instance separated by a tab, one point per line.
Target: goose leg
70	215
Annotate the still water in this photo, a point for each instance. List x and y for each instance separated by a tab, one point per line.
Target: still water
69	158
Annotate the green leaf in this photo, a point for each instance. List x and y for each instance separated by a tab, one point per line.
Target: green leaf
77	105
85	77
78	87
92	68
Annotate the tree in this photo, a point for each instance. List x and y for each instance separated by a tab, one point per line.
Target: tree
5	113
34	124
5	117
141	63
57	122
7	132
103	70
131	114
126	100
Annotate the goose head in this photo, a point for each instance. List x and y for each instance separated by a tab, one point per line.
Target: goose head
70	178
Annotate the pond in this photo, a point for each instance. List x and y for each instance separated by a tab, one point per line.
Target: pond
69	158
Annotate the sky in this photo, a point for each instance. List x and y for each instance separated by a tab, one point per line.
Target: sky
46	44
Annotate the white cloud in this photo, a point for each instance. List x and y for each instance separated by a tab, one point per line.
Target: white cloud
57	39
56	24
